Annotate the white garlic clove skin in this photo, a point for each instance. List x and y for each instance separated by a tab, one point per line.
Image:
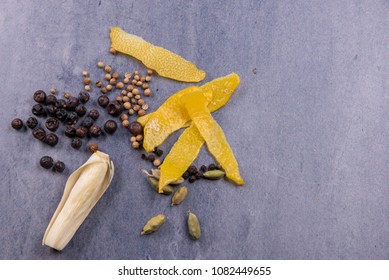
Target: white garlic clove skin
83	189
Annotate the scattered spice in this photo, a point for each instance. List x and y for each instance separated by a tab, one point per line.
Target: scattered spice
52	124
100	64
95	130
153	224
39	133
94	114
83	97
51	139
17	124
103	101
135	128
46	162
31	122
110	126
59	166
40	96
76	143
38	110
53	90
93	147
194	226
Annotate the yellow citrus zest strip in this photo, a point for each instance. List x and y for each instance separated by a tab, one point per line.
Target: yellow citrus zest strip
171	115
196	106
164	62
181	156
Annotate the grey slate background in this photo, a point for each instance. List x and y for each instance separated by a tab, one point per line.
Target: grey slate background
310	129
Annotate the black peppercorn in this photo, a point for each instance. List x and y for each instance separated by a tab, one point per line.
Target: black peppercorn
151	157
51	110
71	118
143	156
38	110
39	133
211	166
203	168
83	96
103	101
185	175
70	131
192	170
51	139
61	103
52	124
81	132
192	178
95	130
72	103
158	152
87	122
40	96
135	128
94	114
76	143
46	162
198	175
110	126
59	166
61	114
51	100
17	124
80	110
114	109
31	122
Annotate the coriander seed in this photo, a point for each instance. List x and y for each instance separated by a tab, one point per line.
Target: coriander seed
148	79
109	87
127	75
126	80
119	85
104	90
67	95
127	105
87	81
133	82
85	73
130	87
157	162
123	92
131	112
135	91
126	98
112	50
139	83
149	72
141	112
53	90
136	108
130	95
116	75
139	137
108	77
99	84
93	147
108	68
125	123
135	145
141	102
145	85
142	79
112	81
119	99
145	107
88	88
100	64
133	139
147	92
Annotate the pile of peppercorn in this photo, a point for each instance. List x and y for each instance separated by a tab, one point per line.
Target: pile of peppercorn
193	174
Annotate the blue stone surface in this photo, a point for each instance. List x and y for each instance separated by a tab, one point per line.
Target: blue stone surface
309	126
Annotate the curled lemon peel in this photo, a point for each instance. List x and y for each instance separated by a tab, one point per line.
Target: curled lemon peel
164	62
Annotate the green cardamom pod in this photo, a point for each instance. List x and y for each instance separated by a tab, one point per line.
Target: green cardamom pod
168	190
156	173
153	224
179	195
194	226
178	181
214	174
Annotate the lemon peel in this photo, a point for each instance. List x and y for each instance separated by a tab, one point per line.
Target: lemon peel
164	62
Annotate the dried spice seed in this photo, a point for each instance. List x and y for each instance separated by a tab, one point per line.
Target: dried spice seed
147	92
94	114
157	162
151	157
135	128
144	157
88	88
72	103
135	145
203	168
167	190
40	96
99	84
103	101
53	90
52	124
114	109
211	166
104	90
192	170
61	103
85	73
95	130
38	110
59	166
112	50
119	99
119	85
83	97
39	133
86	81
70	131
51	100
17	124
141	112
72	118
81	132
46	162
93	147
87	122
112	81
80	110
153	224
61	114
100	64
31	122
67	95
108	68
116	75
109	87
194	226
51	110
192	178
76	143
179	196
198	175
51	139
110	126
185	175
125	123
214	174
